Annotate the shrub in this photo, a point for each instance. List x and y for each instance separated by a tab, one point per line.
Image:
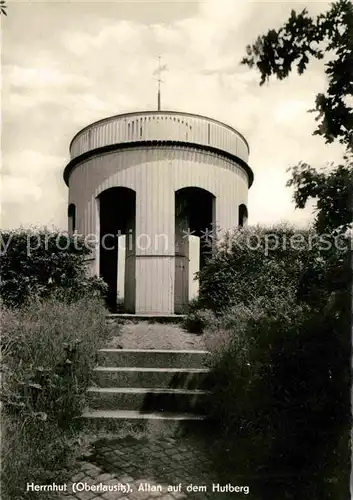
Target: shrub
197	319
196	322
42	263
280	375
250	264
278	261
48	351
244	267
280	363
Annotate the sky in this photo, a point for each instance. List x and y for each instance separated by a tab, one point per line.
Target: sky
66	64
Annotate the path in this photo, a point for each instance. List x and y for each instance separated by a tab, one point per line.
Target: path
145	467
154	336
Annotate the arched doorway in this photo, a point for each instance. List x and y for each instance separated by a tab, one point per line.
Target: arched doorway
194	220
117	212
71	214
242	215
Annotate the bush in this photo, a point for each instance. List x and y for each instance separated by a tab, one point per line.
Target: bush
48	351
249	264
274	262
281	377
197	319
245	267
42	263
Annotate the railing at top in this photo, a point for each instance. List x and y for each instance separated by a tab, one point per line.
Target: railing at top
160	126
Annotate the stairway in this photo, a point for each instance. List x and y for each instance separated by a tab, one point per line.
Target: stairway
148	386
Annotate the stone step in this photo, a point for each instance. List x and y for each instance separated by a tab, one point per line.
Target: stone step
139	415
147	399
187	378
152	424
151	358
146	318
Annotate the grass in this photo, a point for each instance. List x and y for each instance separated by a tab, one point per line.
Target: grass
48	351
278	374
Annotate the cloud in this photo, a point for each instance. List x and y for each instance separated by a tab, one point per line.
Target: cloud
126	36
41	77
31	184
290	110
14	187
96	66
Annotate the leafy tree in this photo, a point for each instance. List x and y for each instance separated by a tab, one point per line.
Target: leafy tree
332	189
327	271
298	41
302	38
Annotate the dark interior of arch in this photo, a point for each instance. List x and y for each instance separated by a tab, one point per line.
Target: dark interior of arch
242	215
117	210
71	213
194	214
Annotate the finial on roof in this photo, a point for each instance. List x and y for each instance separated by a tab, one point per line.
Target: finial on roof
159	80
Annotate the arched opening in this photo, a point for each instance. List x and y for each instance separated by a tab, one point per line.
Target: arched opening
242	215
71	214
194	223
117	211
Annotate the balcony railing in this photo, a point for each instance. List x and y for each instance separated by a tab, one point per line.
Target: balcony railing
160	126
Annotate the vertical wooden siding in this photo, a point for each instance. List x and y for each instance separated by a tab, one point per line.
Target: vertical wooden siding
160	126
155	174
